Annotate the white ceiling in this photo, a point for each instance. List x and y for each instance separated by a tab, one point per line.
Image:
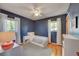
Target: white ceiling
24	9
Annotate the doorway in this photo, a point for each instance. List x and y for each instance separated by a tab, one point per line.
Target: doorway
54	30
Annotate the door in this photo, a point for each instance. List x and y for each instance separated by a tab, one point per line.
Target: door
52	31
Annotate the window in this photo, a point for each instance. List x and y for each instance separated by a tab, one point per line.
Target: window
53	25
11	25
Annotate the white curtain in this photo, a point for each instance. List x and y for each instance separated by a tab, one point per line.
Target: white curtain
3	19
18	40
59	31
49	31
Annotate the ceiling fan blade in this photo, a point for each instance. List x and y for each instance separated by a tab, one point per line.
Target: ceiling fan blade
36	5
42	14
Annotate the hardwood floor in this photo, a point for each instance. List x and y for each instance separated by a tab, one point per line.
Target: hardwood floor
56	49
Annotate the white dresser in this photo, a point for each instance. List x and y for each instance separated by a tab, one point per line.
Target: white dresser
70	45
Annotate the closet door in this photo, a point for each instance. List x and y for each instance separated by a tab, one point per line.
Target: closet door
52	30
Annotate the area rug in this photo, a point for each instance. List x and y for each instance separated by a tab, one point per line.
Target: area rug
34	50
28	50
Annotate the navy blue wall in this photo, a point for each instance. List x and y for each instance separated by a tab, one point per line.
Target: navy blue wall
41	27
63	24
26	26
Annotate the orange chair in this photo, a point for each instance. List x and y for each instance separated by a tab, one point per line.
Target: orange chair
7	45
6	39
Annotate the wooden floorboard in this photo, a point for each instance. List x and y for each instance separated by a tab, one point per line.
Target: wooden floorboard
56	49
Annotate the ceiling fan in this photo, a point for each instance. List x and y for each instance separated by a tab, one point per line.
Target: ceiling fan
35	10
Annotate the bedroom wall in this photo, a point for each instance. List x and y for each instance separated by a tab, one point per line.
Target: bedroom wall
41	27
27	25
72	12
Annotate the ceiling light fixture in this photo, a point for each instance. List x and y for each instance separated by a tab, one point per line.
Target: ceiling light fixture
36	12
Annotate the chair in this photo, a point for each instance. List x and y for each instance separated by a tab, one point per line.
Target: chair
6	40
